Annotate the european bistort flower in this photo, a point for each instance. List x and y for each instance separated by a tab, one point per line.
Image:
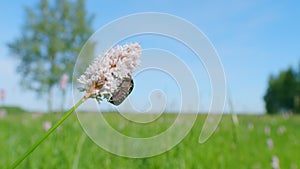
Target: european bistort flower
270	143
275	162
47	125
281	130
63	82
267	130
105	75
108	77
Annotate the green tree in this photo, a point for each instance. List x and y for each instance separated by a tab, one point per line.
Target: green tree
282	92
51	38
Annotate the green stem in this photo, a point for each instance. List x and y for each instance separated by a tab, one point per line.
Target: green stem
29	151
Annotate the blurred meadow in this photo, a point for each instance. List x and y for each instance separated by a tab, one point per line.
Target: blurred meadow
256	143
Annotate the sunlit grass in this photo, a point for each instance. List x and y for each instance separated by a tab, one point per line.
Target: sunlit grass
60	150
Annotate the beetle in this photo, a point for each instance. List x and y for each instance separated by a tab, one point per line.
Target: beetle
124	89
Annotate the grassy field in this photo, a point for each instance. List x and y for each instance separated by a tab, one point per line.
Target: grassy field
258	139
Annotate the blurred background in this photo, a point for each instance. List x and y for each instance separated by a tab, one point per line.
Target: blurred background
258	43
254	40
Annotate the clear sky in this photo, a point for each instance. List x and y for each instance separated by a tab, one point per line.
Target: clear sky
253	39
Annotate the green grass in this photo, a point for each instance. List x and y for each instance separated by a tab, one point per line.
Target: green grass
13	109
68	147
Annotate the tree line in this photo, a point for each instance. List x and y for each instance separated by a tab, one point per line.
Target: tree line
283	92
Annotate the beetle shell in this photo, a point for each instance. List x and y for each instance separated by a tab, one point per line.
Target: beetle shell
123	91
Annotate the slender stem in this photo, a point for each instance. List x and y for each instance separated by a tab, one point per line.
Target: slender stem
33	147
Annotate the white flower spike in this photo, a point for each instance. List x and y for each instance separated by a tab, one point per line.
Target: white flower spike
106	75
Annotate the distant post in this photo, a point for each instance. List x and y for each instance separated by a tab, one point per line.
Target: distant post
2	96
63	86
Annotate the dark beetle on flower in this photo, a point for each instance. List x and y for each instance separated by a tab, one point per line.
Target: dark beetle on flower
123	91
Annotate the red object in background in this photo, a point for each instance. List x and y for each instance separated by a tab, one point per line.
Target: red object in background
2	94
63	81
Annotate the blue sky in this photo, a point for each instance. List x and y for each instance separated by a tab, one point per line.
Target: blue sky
253	39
